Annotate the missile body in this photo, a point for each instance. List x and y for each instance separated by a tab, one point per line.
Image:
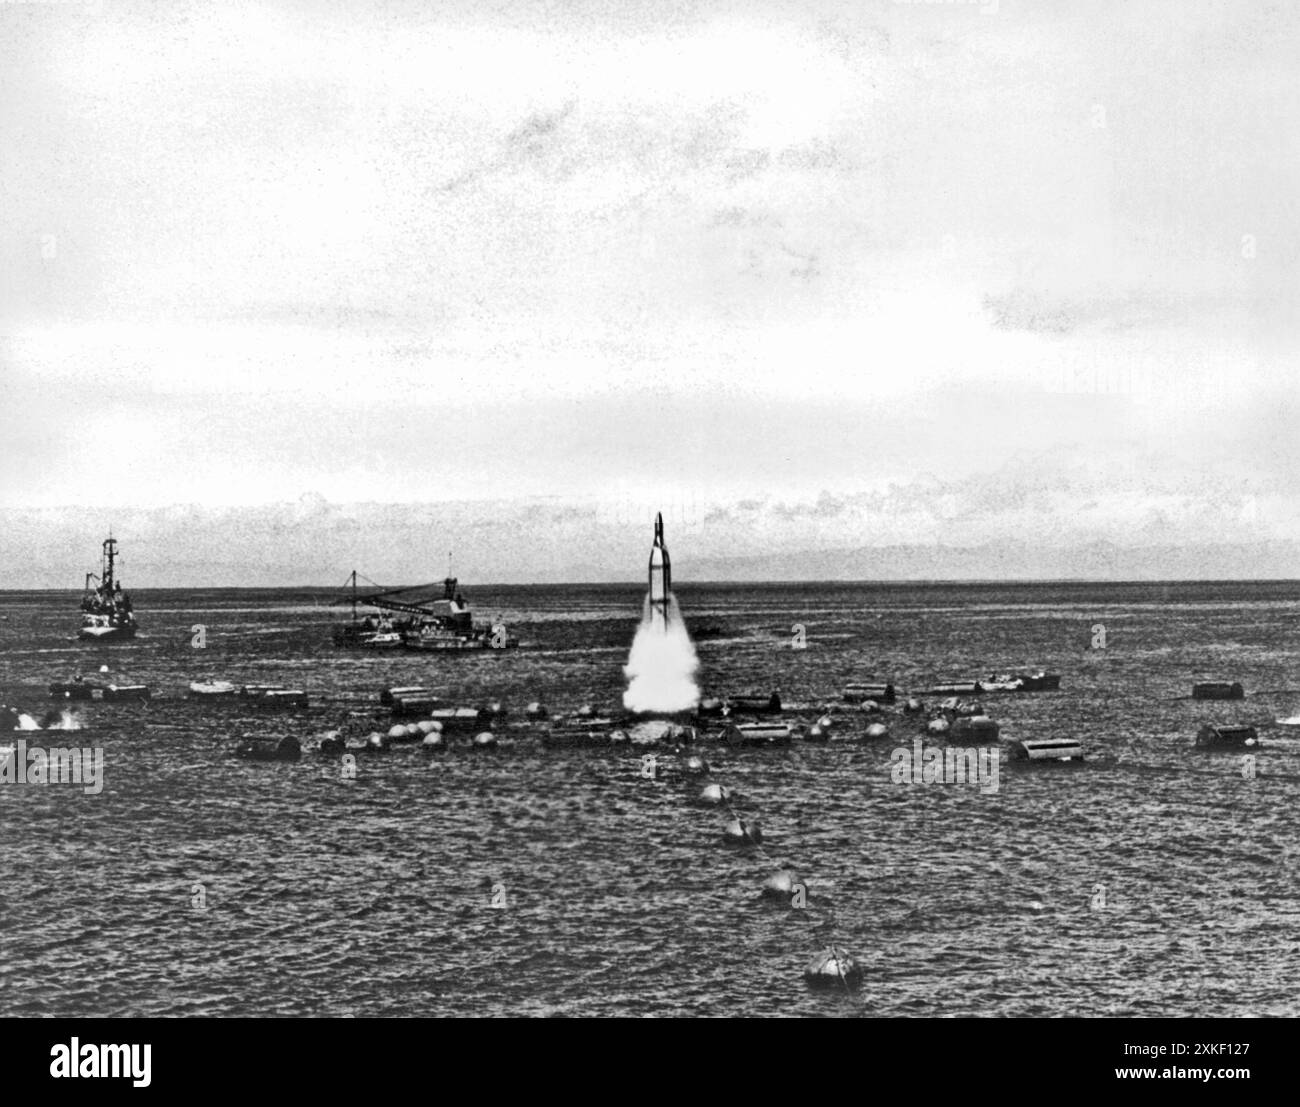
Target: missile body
661	576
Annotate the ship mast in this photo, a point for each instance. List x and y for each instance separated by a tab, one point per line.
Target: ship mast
110	551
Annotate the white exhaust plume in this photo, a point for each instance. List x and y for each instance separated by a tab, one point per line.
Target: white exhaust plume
661	666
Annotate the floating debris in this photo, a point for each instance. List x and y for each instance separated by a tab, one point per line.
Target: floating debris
269	749
1227	737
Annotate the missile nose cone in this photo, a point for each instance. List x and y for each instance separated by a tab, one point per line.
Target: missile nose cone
659	529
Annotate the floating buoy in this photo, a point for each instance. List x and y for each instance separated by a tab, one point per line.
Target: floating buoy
715	794
780	885
741	832
875	731
870	707
816	733
396	733
429	726
269	749
619	737
535	711
913	706
432	741
697	766
485	740
832	968
826	722
586	711
376	741
103	668
937	726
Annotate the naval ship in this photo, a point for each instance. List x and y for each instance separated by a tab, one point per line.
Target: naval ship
106	612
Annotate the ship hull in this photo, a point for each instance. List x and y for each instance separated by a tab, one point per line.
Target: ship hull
106	634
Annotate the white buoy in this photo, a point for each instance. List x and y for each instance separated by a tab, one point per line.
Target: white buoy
396	732
781	885
742	832
485	740
877	730
937	726
714	794
377	741
432	740
833	968
535	711
697	766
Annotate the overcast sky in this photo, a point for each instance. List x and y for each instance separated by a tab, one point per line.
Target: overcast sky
644	252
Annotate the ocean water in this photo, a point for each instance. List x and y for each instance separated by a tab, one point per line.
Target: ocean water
1151	880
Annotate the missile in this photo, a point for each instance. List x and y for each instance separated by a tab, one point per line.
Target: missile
661	575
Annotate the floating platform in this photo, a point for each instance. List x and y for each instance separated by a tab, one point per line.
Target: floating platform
857	692
212	689
118	692
1227	737
978	727
404	706
388	696
73	690
1218	690
757	734
1046	749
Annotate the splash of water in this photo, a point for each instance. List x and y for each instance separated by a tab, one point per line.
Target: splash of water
662	663
67	720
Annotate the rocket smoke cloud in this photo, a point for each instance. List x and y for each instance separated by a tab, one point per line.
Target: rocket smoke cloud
661	666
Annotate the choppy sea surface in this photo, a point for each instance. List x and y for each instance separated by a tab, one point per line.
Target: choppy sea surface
1151	880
